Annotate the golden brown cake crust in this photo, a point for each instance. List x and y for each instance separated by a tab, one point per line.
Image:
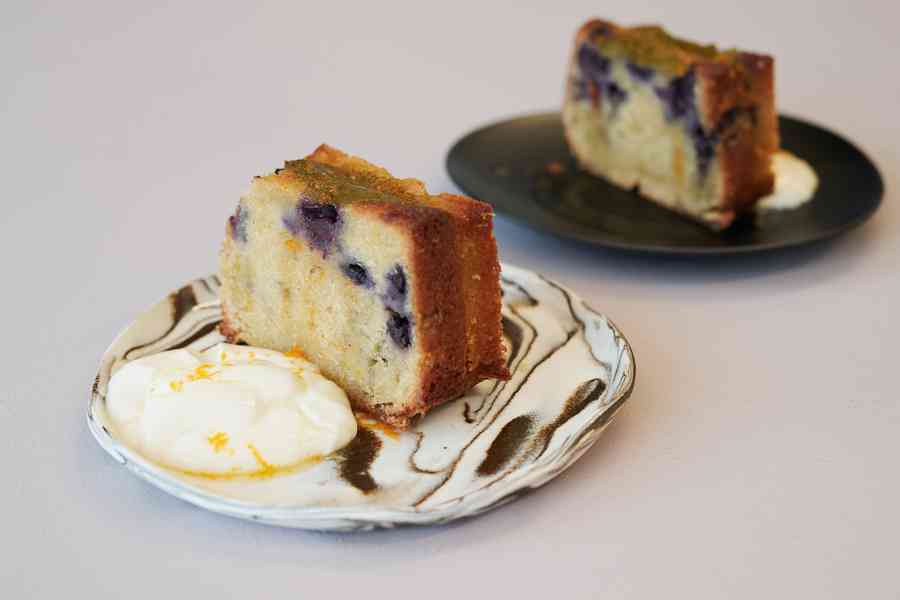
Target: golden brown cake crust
456	284
481	275
745	88
651	45
228	328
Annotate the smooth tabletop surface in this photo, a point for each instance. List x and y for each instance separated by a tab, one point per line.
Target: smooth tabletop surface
756	458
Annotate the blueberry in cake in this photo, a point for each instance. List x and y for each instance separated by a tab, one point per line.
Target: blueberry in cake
690	127
392	292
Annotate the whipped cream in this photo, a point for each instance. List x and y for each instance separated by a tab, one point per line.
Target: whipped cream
230	410
795	183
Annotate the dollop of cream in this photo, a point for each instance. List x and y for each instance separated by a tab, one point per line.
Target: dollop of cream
228	411
795	183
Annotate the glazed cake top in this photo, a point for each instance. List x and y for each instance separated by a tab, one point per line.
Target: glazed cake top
652	46
338	178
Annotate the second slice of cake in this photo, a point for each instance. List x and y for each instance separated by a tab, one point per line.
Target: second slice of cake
392	292
691	127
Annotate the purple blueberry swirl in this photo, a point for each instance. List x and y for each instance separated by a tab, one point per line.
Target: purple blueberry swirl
237	224
317	222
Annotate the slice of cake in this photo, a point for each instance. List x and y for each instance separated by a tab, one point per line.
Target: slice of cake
690	127
392	292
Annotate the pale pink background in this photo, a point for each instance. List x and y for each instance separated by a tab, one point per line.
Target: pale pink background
758	457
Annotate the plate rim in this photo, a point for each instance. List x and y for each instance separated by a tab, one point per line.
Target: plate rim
649	249
363	516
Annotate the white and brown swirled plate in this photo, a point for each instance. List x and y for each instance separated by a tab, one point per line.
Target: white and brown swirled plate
572	370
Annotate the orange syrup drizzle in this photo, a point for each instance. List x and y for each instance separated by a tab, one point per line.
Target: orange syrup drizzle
373	425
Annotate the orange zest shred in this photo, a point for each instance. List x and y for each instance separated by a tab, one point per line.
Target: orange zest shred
291	244
218	441
201	372
295	352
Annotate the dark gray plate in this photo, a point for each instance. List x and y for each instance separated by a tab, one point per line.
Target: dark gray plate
506	164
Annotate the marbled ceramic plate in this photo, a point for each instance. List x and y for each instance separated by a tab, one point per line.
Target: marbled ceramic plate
572	371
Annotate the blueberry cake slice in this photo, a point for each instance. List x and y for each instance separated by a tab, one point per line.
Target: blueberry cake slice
392	292
690	127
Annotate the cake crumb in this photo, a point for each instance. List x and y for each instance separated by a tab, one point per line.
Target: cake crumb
555	168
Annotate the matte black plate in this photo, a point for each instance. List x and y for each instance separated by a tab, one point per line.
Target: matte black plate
510	165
